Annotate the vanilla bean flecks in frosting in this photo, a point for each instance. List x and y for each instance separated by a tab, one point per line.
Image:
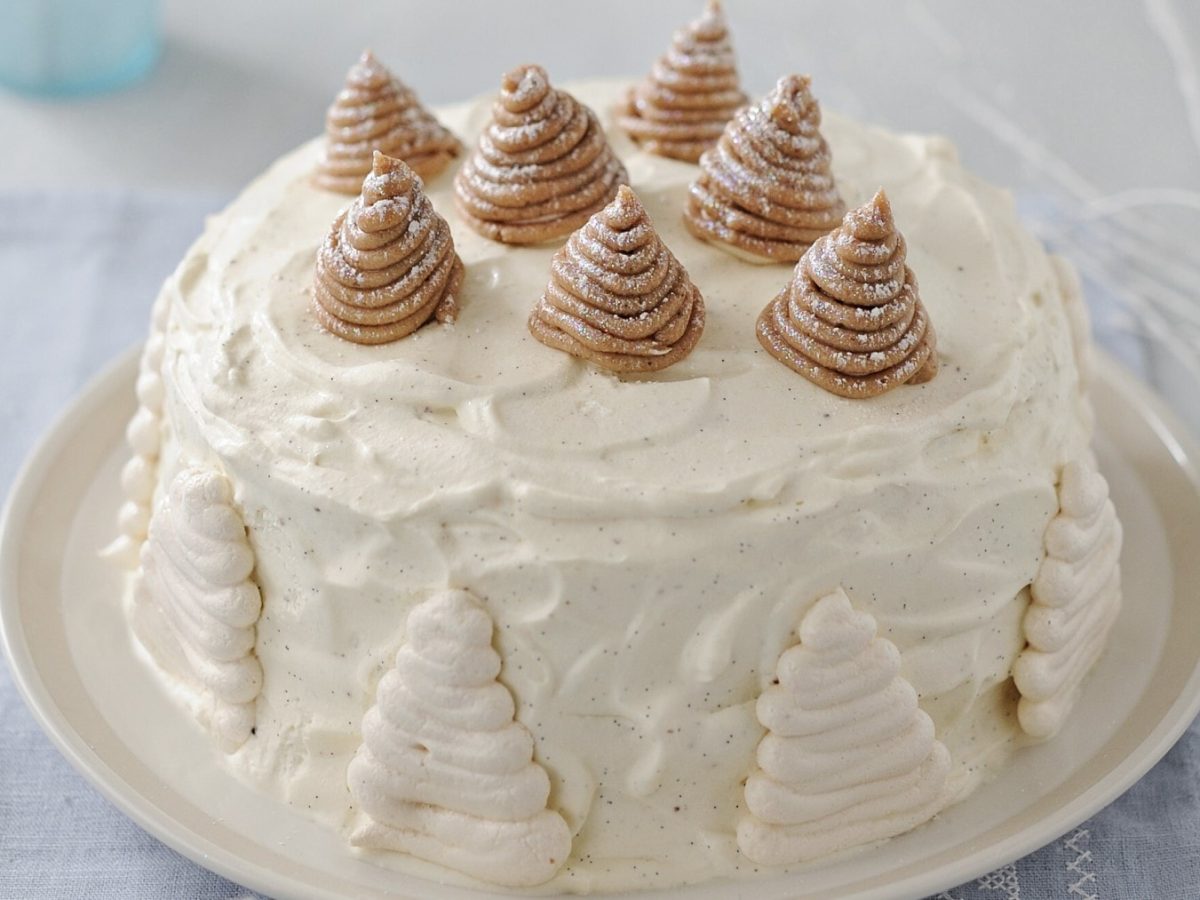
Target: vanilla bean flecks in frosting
475	455
144	437
196	605
445	772
850	319
691	93
542	167
388	264
766	191
849	758
375	111
617	296
1076	598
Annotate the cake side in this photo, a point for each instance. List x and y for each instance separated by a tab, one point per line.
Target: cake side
647	545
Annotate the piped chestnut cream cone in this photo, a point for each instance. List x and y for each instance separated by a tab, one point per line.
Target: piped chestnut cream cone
851	319
692	91
542	167
388	264
617	296
766	191
376	111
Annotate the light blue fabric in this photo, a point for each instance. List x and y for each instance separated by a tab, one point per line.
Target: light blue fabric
77	276
70	47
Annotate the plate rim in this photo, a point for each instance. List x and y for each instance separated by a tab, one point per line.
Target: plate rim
29	482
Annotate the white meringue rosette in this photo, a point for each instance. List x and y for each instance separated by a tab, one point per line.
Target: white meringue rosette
849	758
144	437
445	772
195	605
1076	598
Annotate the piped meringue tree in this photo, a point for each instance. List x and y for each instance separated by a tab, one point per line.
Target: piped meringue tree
1076	599
766	191
375	111
683	105
849	758
542	167
388	265
143	435
617	296
851	319
195	605
445	772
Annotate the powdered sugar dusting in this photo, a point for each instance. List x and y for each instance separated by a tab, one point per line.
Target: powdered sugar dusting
376	111
680	109
617	296
388	265
767	187
543	165
851	320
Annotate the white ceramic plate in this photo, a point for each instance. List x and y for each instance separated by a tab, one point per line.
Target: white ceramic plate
73	661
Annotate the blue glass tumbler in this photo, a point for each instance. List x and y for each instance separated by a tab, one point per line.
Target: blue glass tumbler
70	47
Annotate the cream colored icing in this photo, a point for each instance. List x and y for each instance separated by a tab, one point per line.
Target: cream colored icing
645	545
445	773
196	606
849	758
1076	598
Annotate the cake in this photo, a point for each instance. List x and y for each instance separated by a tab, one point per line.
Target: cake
532	587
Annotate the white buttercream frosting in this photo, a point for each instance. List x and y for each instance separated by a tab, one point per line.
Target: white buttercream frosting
139	475
1076	598
645	545
445	772
848	758
196	603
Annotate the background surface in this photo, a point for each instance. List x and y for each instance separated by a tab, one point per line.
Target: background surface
1089	112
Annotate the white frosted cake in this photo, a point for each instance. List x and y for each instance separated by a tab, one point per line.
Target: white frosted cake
470	599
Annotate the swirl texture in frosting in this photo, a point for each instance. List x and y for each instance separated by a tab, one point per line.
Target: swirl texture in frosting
542	167
196	585
376	111
474	455
851	319
1076	598
143	435
849	758
617	296
766	191
445	772
692	91
388	264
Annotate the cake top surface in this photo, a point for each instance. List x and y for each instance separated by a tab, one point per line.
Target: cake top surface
482	407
